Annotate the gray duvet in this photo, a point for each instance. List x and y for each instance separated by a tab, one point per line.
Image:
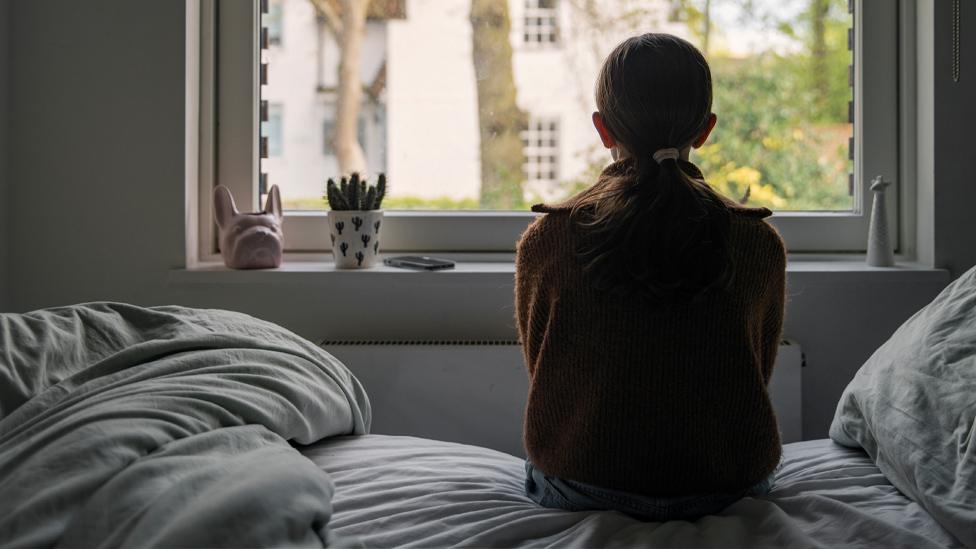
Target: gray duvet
123	426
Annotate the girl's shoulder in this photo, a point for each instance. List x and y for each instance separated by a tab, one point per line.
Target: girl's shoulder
561	207
751	229
741	211
746	212
545	230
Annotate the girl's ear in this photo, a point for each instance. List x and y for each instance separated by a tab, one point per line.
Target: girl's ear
709	126
601	128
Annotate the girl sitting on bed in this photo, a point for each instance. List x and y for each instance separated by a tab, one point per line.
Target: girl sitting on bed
650	309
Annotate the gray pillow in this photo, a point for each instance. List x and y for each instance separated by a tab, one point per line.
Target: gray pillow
912	408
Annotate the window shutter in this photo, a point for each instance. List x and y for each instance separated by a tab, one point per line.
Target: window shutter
850	103
263	102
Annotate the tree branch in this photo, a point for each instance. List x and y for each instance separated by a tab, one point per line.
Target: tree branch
375	87
326	11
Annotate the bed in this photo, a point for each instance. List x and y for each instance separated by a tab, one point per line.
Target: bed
125	426
394	491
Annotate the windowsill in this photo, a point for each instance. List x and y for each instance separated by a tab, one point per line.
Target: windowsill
481	266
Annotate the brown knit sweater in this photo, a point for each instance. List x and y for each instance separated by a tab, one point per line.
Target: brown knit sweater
661	401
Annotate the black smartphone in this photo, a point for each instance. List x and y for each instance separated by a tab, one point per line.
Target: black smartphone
418	262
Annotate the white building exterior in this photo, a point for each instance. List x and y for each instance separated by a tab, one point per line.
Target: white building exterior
422	128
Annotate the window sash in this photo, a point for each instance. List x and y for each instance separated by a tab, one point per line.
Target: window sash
234	129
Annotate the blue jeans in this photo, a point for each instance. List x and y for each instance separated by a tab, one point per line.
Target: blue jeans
570	495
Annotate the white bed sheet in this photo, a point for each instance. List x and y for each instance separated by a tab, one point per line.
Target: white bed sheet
394	491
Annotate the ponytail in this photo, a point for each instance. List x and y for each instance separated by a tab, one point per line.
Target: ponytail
652	227
654	231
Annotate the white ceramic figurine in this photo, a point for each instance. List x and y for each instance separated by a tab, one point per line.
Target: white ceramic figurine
879	245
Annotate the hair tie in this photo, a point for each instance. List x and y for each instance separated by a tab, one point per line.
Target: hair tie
665	154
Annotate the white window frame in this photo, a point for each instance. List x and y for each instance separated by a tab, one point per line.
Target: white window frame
229	50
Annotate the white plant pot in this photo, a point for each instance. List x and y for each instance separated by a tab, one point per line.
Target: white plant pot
355	237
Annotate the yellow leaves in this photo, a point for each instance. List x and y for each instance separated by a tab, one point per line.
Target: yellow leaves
764	195
733	181
745	176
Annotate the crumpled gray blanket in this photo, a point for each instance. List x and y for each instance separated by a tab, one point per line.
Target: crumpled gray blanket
123	426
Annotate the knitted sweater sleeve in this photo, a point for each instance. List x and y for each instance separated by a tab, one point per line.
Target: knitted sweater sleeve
531	292
775	303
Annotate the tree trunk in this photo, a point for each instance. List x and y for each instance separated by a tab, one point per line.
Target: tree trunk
818	51
499	117
350	93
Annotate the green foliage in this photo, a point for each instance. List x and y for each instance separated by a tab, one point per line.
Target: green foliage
393	203
782	130
354	193
442	203
504	192
769	145
783	118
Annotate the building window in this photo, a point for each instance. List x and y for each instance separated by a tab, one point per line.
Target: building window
272	129
540	143
276	22
541	22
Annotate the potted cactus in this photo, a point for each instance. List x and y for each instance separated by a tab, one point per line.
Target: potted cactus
355	219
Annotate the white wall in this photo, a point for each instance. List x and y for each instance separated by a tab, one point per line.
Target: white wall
97	177
430	81
4	45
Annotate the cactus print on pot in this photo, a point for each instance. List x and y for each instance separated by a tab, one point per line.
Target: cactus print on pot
355	238
355	220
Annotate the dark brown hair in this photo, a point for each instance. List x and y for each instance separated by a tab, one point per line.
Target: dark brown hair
656	230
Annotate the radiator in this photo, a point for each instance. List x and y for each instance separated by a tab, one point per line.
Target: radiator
474	392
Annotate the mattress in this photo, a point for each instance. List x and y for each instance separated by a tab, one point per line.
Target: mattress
394	491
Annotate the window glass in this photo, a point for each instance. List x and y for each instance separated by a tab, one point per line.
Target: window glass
541	23
275	22
463	109
272	129
540	143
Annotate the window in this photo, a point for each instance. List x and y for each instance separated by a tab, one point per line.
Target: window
540	24
540	143
276	22
271	129
451	134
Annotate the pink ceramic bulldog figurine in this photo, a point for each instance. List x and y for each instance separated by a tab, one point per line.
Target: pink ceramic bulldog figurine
249	240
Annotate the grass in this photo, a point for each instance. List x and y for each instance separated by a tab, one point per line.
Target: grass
391	203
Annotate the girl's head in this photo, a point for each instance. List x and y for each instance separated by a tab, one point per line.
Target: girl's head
654	92
653	227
